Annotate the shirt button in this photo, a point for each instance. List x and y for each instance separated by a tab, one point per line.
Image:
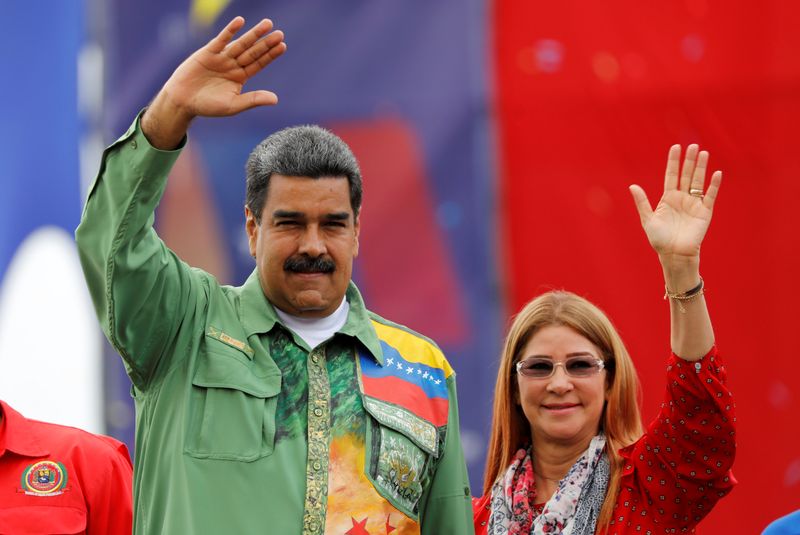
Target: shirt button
133	144
317	466
318	412
315	359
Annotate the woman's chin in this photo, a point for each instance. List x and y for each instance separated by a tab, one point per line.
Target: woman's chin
564	435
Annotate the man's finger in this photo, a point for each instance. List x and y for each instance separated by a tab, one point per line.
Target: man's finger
253	99
255	33
261	47
266	58
224	37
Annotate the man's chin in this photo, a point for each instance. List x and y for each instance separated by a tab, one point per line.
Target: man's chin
311	303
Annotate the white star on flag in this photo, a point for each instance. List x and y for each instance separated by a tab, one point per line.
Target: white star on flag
390	361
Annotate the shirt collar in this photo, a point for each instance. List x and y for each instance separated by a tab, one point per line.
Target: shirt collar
18	435
258	315
256	312
359	324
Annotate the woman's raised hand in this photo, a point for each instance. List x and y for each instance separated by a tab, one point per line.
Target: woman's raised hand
676	229
678	224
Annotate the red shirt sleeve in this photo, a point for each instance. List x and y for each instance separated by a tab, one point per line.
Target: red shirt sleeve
109	492
481	513
681	465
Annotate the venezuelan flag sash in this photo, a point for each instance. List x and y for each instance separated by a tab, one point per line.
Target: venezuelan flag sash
409	392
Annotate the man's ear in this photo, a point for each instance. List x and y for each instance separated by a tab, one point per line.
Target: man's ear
357	229
251	226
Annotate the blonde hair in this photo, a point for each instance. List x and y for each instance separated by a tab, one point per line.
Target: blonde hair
620	421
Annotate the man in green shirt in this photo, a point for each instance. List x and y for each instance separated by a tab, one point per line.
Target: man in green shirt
281	406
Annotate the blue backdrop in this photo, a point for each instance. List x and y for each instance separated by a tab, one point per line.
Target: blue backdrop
40	130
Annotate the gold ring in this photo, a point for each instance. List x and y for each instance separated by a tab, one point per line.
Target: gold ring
696	193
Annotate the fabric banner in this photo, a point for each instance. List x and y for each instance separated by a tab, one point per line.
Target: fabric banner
590	97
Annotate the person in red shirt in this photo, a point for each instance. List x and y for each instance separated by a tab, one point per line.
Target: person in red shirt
58	479
567	452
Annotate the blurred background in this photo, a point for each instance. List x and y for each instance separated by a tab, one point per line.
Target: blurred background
497	140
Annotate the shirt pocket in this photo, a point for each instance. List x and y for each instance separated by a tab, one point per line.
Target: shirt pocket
42	520
231	409
400	454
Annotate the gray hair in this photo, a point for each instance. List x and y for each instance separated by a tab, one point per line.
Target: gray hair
308	151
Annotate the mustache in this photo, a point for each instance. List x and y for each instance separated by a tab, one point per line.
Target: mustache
307	264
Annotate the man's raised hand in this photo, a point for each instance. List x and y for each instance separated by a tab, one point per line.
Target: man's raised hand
210	82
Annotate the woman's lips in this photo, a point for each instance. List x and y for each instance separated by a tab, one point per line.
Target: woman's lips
560	406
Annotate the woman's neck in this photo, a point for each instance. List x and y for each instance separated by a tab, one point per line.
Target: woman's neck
551	462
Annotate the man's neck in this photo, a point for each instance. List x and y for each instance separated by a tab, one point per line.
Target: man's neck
316	330
311	320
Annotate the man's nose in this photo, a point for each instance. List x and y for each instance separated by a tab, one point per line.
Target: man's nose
312	242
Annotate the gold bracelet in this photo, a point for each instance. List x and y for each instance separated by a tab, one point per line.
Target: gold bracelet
688	295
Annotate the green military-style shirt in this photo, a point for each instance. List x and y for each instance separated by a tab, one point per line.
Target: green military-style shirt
240	426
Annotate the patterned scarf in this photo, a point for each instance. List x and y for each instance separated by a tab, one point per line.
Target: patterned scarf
573	509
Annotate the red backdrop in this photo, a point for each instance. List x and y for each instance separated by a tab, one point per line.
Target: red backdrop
589	98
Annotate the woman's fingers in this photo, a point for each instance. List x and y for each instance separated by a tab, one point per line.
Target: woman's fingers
713	189
689	163
642	202
697	185
673	167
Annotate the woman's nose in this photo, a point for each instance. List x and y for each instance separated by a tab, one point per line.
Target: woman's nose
559	382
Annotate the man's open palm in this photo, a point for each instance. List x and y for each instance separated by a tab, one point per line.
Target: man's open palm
210	81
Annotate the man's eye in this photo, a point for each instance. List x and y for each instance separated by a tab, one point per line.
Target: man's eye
287	223
335	224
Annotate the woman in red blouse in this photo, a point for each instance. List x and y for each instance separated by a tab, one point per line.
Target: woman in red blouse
568	453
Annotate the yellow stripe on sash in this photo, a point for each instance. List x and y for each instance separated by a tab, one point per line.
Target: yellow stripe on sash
413	348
